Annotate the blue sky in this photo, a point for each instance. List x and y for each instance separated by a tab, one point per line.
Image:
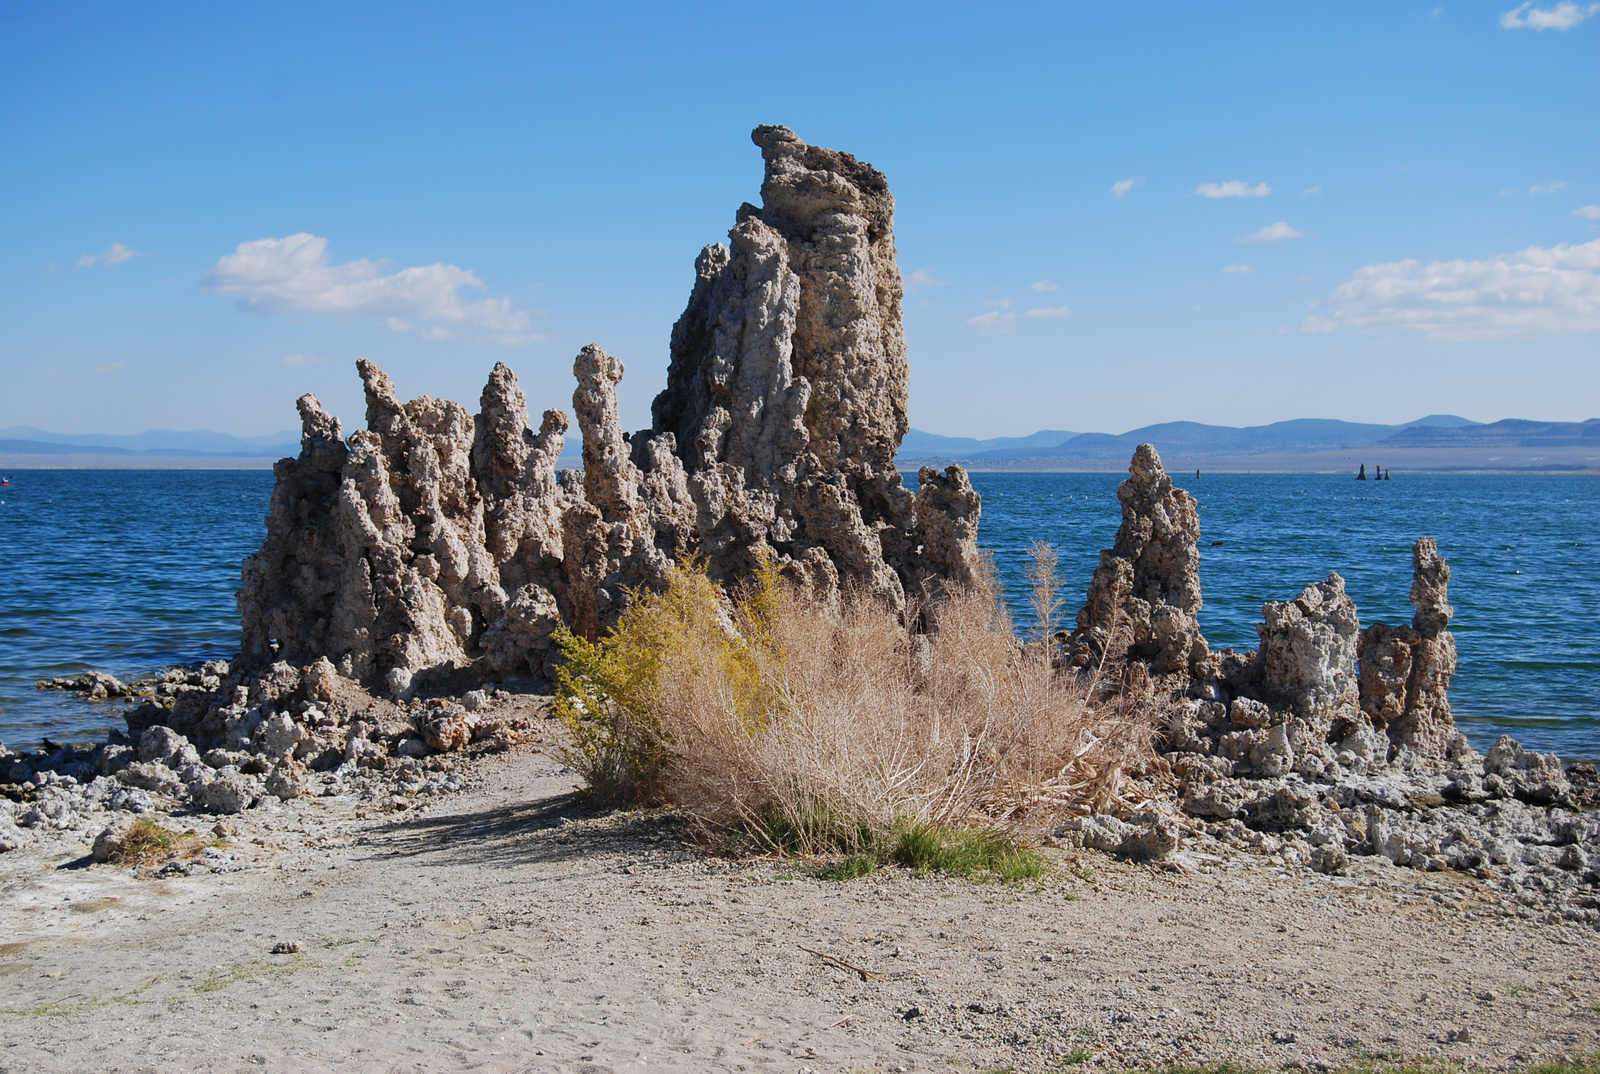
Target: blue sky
206	210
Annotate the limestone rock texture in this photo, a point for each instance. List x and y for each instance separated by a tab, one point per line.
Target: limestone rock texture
1318	695
441	543
787	392
1144	601
1406	671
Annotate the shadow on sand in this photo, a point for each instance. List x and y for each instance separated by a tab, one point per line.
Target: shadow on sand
562	828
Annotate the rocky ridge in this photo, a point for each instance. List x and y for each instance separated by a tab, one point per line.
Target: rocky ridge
438	544
1326	741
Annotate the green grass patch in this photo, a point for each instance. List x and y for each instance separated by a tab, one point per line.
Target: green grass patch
852	868
975	853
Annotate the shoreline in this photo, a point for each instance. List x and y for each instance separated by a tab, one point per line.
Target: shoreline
1230	465
445	934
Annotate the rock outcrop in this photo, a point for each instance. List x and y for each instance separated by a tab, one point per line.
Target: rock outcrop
440	543
1406	671
1144	602
1317	695
787	392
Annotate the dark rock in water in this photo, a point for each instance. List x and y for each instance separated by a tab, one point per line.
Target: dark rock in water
435	540
94	685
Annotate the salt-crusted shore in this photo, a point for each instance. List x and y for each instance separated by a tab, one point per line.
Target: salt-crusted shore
505	927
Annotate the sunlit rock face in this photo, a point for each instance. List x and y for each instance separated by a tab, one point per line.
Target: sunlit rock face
1144	602
437	541
787	392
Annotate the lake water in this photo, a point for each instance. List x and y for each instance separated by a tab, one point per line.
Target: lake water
131	571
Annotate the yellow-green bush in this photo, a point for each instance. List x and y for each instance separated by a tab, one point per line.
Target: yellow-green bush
785	723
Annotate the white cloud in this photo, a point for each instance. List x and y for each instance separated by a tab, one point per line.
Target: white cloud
921	280
993	321
110	367
1551	187
1049	311
293	275
1563	16
1317	326
1311	190
1121	187
1044	285
115	254
1539	291
1235	268
302	359
1234	189
1272	233
997	303
1588	212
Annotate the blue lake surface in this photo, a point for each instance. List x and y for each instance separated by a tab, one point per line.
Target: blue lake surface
131	571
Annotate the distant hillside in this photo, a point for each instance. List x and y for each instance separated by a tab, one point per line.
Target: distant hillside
917	442
25	439
1509	433
1197	440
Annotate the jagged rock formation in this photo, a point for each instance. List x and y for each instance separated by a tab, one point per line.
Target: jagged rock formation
437	541
1144	601
1318	693
787	391
1308	652
1406	671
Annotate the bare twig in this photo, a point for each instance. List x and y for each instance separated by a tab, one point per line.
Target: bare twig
866	975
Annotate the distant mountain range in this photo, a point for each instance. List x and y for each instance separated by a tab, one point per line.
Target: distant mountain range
27	440
1303	436
1298	437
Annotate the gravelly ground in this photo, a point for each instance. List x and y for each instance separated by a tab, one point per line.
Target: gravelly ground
507	928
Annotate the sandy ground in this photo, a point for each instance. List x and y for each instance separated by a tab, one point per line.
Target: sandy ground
509	928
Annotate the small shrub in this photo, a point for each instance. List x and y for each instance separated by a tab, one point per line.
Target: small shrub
784	723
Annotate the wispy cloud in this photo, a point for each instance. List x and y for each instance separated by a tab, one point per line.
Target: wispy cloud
993	321
1539	291
1049	311
921	280
115	254
1235	268
110	367
1121	187
1552	187
1234	189
1588	212
1044	285
302	359
1317	326
1272	233
1311	190
294	275
1561	17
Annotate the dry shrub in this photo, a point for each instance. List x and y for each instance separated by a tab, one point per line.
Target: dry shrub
816	726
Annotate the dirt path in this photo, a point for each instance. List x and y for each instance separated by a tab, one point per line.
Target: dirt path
506	928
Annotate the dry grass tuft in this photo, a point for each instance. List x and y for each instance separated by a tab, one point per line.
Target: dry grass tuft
797	725
147	843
